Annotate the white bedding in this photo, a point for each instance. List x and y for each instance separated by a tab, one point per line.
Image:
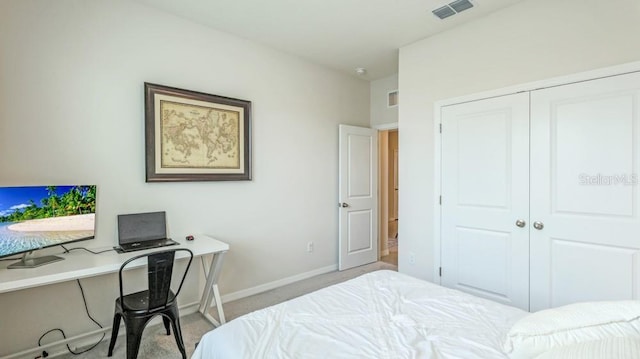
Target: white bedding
382	314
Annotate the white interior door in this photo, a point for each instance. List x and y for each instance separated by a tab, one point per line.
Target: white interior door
584	192
485	191
358	198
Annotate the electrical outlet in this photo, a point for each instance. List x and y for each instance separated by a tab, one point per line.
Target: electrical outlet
412	258
310	247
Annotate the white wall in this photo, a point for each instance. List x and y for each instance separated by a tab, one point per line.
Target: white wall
532	40
380	113
71	111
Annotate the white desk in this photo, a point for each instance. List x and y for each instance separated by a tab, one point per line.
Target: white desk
80	264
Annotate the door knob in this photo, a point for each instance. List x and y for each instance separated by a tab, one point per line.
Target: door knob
343	205
520	223
538	225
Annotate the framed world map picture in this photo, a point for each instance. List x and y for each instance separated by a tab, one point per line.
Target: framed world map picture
193	136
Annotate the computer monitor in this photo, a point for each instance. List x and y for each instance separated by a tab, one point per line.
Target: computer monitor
37	217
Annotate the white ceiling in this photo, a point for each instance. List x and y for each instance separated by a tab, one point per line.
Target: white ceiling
340	34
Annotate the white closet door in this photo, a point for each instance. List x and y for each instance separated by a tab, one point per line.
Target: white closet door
584	191
485	190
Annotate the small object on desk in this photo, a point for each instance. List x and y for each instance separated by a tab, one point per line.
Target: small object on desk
189	238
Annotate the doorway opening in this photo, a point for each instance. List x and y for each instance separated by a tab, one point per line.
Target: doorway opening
388	198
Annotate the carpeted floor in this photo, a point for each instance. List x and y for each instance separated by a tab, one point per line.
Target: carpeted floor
157	345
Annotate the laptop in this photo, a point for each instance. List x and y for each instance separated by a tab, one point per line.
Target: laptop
138	231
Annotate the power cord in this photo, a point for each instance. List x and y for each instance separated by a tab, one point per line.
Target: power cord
68	250
86	308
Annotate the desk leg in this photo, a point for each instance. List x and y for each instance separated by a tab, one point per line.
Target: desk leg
211	291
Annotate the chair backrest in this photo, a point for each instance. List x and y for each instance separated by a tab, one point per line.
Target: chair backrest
159	275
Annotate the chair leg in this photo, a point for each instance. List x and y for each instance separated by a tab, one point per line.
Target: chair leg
177	332
114	332
135	327
167	323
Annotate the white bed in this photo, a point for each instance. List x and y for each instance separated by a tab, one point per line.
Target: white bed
382	314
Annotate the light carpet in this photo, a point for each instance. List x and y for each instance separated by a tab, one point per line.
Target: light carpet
156	344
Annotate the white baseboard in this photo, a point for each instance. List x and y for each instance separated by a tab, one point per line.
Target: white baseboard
276	284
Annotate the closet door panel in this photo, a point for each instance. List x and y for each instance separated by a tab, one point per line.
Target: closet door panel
485	191
584	165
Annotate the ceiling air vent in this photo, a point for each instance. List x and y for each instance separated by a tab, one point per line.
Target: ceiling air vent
452	8
444	12
461	5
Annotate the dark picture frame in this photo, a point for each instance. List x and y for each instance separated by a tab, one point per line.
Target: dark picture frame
195	136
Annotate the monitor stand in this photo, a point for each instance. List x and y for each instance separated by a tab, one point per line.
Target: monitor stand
28	261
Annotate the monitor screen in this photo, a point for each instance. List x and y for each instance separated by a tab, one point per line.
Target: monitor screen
37	217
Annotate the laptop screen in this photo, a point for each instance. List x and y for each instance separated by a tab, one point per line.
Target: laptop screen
139	227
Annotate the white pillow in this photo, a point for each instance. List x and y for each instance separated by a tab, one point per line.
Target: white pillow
572	324
618	348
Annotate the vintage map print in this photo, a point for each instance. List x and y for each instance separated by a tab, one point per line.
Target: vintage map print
199	137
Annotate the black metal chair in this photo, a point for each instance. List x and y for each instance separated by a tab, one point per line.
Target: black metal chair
137	309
